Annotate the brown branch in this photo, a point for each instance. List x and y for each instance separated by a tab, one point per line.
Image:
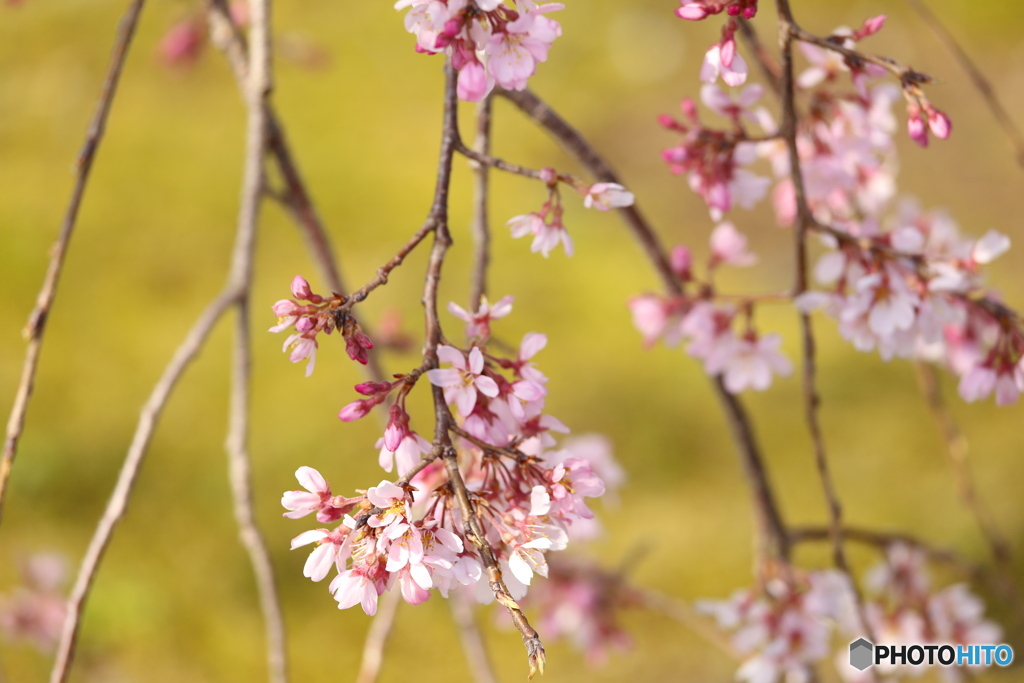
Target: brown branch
957	449
977	78
766	507
240	281
788	32
36	325
486	160
679	611
479	661
377	637
480	226
885	539
296	198
381	278
118	503
473	529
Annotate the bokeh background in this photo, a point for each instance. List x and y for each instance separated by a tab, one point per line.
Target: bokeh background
175	600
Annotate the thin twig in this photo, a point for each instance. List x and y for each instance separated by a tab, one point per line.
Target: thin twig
957	449
681	612
978	79
377	637
766	507
788	31
885	539
240	281
463	611
442	438
118	503
480	226
36	325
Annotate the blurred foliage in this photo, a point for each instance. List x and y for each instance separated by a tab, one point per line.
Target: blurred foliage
175	600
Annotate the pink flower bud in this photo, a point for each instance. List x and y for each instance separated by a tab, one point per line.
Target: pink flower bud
549	175
304	324
239	11
916	127
939	124
871	26
681	260
182	43
285	308
300	288
693	11
393	436
356	410
373	388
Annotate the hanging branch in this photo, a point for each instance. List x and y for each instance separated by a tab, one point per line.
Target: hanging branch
883	540
36	325
770	520
377	637
480	226
259	85
479	661
443	447
296	199
788	32
118	503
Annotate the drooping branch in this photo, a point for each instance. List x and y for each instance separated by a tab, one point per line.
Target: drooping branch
443	447
788	32
36	325
118	503
766	507
258	87
377	637
480	226
885	539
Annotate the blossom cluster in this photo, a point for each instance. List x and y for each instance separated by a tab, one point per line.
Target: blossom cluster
488	41
35	611
318	314
896	279
546	224
789	625
743	358
529	495
902	607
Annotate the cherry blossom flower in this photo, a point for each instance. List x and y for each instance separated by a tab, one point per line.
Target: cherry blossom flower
746	363
492	44
729	246
478	324
605	196
546	235
463	380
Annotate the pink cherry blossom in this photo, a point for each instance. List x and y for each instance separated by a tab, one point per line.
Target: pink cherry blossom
746	363
478	324
605	196
463	380
729	246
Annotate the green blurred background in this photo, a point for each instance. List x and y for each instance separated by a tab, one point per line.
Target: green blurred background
175	600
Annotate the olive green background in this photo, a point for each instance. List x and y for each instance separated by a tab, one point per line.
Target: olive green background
175	600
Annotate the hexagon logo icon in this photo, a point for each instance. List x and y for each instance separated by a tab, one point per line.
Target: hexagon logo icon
860	654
